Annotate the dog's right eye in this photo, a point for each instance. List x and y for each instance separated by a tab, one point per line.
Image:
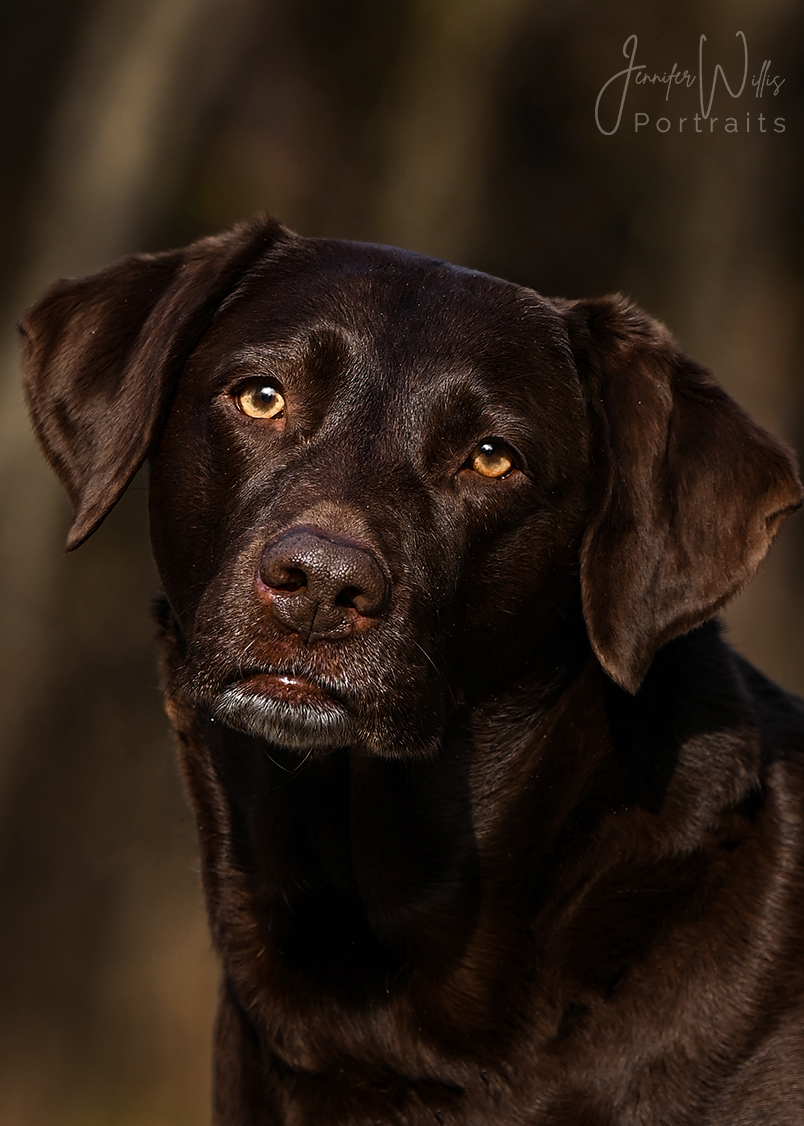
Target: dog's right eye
260	399
492	458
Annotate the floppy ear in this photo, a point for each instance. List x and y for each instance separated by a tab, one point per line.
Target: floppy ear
102	354
690	490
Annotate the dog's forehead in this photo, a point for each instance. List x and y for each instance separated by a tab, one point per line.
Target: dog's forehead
392	304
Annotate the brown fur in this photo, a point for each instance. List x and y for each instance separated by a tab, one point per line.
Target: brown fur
495	828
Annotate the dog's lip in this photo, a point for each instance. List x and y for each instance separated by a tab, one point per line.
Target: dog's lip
287	686
285	707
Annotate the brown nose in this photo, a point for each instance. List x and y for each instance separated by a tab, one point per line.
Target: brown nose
321	587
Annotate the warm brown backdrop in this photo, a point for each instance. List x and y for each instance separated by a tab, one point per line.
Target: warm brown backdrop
463	128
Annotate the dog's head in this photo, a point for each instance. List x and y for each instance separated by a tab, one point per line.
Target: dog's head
381	484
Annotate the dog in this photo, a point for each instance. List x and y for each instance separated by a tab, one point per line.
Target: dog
495	827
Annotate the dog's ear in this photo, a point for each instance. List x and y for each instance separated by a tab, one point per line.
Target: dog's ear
102	354
690	491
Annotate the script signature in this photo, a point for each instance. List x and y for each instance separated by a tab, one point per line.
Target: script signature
675	77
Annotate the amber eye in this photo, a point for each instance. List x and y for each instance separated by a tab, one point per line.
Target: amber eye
260	400
492	458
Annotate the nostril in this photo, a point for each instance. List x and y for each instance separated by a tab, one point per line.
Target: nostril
353	598
279	571
292	580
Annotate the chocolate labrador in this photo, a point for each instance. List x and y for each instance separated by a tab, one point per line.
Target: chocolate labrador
496	829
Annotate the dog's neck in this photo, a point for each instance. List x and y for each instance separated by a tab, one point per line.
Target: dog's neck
369	878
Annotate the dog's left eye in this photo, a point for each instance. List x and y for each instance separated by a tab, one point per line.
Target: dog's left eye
260	400
492	458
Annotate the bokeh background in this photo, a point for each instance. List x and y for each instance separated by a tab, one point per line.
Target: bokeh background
460	128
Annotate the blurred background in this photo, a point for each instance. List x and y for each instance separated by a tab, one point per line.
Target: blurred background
461	128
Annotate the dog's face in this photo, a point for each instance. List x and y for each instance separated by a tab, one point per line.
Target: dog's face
368	496
383	486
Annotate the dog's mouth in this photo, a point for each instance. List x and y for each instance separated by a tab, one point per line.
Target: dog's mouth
285	709
284	686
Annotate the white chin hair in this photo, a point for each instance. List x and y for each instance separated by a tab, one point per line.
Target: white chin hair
302	727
